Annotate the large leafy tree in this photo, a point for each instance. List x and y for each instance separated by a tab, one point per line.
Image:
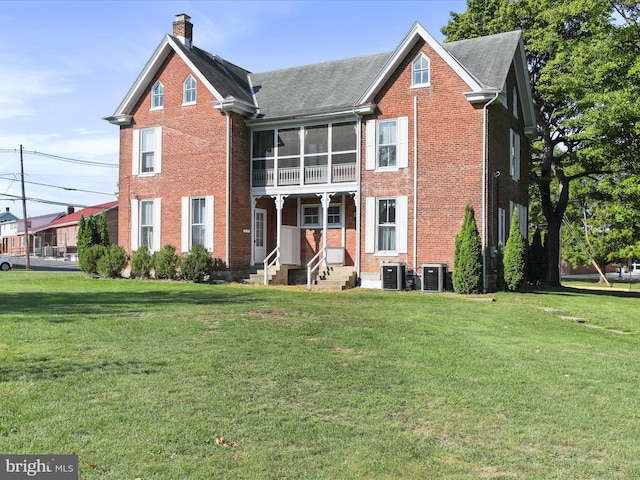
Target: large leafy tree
583	59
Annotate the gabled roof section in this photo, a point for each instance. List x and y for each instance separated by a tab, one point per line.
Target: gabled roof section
74	218
7	217
36	223
416	33
317	89
222	79
487	58
490	58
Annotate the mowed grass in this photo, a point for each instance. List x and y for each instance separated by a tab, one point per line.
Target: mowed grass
138	378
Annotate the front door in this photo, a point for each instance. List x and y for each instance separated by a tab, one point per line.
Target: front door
259	231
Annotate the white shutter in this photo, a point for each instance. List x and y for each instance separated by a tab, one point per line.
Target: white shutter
403	142
370	227
402	212
157	224
208	215
135	224
135	153
523	220
371	145
157	153
185	224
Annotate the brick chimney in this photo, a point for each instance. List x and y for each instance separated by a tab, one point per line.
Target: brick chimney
183	29
70	209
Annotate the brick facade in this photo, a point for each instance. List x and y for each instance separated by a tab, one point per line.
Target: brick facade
206	151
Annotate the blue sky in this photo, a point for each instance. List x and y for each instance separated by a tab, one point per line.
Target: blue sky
66	64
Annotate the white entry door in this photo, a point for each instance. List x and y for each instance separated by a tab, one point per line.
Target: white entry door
260	236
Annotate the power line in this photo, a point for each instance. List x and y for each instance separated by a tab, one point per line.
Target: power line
40	200
61	158
60	187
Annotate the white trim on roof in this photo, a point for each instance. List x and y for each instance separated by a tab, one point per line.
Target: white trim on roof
417	31
122	113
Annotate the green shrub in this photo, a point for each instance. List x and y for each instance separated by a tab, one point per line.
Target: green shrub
112	262
141	263
467	256
88	258
197	265
515	256
166	262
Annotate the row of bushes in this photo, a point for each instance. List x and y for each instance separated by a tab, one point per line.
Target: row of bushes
110	262
517	263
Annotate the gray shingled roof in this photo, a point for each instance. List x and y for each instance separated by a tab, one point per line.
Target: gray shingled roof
486	58
228	79
315	89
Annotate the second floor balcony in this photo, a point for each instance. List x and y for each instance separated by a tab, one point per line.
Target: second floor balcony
288	175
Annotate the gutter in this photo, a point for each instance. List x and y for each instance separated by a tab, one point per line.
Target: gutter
484	190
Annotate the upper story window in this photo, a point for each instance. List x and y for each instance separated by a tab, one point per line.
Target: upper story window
146	157
420	71
514	155
189	87
387	144
157	96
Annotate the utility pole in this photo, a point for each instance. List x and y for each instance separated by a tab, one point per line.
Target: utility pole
27	242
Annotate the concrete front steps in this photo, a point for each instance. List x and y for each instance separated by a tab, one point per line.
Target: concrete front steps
334	278
328	278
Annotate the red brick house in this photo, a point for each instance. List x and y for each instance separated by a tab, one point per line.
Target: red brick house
66	228
360	162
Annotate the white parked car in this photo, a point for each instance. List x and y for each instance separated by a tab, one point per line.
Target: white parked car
5	264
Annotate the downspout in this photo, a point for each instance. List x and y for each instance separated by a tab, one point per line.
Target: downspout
484	190
357	197
228	181
415	183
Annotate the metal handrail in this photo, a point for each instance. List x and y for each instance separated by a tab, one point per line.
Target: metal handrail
268	264
311	269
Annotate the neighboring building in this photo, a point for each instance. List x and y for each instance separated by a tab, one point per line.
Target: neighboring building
65	229
8	228
13	240
359	162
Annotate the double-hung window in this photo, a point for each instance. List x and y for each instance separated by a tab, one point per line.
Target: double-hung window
189	89
387	144
386	225
197	222
145	224
514	155
147	151
312	216
420	71
157	96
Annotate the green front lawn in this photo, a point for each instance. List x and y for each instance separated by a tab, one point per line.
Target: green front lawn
138	378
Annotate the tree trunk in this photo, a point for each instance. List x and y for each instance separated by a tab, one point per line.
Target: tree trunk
553	245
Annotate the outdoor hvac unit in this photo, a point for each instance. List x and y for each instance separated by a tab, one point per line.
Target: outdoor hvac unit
433	277
394	276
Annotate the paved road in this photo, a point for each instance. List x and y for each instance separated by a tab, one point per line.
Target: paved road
47	265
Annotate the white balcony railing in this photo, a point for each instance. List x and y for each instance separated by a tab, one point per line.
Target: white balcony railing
317	174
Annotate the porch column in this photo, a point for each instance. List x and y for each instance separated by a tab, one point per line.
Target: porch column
254	201
325	200
356	202
279	201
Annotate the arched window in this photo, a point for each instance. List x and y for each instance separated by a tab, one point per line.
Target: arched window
420	69
189	87
157	96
